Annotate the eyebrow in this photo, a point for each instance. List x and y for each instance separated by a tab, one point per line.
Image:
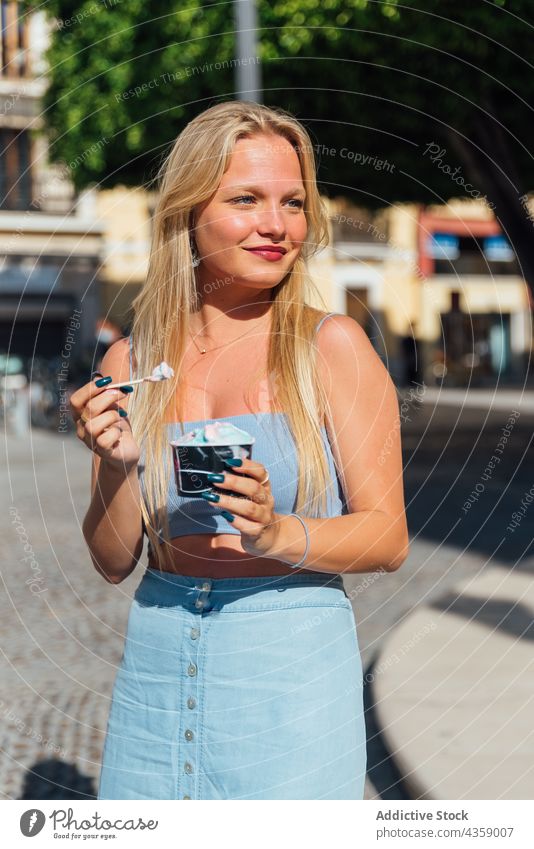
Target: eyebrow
296	190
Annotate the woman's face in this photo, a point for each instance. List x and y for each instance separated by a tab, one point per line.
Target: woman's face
259	202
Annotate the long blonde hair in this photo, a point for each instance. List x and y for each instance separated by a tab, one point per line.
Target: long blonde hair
190	175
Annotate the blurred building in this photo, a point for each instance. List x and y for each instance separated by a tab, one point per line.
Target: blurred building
437	289
125	216
50	240
443	275
473	298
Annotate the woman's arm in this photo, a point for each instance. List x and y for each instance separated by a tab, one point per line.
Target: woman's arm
112	527
365	439
360	542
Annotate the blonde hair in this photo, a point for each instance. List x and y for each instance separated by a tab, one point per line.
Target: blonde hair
190	175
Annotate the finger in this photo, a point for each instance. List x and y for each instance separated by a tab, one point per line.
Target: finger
102	402
251	468
96	426
259	497
244	484
88	431
108	440
250	529
84	394
242	506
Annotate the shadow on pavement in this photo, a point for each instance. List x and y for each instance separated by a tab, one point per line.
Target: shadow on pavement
381	769
54	779
467	476
512	617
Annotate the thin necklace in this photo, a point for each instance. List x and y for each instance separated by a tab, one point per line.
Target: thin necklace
203	350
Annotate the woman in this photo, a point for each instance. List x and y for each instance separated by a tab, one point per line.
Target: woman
241	676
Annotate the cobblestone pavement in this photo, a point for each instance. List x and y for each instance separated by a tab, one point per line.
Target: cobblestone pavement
63	626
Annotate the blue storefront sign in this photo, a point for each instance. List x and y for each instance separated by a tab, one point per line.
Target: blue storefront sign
498	249
443	246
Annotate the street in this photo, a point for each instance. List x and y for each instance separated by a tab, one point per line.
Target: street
63	626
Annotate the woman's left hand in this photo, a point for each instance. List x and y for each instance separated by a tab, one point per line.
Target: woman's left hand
253	511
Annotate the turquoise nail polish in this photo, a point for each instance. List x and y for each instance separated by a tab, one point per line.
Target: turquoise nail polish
126	388
122	412
210	496
215	478
234	461
103	381
229	516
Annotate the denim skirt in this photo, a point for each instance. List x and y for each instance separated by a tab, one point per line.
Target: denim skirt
237	688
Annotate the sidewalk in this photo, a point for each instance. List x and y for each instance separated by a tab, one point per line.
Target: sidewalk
63	626
453	687
490	399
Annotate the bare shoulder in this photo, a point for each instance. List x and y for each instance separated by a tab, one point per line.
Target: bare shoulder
339	329
344	346
116	360
363	420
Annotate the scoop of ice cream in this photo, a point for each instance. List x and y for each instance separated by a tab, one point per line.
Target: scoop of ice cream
217	433
162	372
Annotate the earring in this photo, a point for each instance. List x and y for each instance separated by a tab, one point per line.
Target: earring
194	253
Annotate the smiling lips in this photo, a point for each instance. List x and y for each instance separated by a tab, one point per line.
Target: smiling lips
272	253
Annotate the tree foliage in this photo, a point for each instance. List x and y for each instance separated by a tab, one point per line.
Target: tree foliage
375	81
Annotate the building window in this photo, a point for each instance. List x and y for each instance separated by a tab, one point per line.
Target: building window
14	40
480	255
15	170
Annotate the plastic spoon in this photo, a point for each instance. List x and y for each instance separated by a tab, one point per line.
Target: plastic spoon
161	372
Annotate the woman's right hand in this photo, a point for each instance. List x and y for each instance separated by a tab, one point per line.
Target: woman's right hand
104	431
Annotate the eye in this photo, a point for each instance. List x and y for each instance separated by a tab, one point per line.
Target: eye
242	198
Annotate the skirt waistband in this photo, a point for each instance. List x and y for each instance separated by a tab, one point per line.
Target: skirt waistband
168	589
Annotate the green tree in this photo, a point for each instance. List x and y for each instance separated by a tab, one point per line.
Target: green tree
406	101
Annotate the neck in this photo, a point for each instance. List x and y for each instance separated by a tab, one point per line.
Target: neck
222	313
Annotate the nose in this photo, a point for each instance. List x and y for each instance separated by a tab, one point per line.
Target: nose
271	222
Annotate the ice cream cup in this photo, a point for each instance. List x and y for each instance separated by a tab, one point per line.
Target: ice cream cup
202	451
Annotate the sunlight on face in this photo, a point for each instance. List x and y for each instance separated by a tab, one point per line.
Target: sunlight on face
259	203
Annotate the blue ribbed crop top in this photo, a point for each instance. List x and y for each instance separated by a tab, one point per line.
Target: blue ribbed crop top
274	447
